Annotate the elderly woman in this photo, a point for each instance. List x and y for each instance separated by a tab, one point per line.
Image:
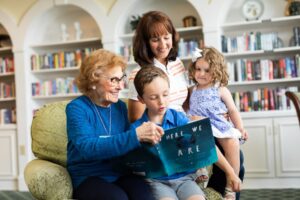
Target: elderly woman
98	132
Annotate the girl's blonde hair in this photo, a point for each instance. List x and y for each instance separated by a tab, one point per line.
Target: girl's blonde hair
217	66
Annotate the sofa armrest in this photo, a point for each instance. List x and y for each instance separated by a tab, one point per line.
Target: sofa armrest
47	180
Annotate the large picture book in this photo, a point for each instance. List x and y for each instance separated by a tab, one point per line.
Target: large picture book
184	148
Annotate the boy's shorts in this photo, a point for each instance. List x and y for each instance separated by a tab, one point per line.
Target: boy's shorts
181	188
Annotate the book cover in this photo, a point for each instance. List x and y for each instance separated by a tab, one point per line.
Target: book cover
184	148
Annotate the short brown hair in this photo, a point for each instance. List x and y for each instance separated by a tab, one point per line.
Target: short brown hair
152	24
217	66
99	60
146	75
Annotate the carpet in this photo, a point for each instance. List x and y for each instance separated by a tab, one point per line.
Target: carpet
262	194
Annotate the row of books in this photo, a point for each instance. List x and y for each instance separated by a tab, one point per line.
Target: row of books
7	90
265	69
7	65
186	47
263	99
61	59
8	116
250	42
296	35
54	87
127	52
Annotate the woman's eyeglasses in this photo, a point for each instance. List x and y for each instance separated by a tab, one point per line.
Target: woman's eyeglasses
115	81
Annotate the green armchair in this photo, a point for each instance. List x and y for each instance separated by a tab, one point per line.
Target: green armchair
46	176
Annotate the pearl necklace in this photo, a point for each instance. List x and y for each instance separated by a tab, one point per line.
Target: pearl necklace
100	118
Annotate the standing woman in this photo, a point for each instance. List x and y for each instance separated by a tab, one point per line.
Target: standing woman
98	132
155	43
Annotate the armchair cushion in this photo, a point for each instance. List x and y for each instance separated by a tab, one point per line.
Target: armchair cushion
49	134
47	180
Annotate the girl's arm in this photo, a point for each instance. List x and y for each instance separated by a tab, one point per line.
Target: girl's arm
233	112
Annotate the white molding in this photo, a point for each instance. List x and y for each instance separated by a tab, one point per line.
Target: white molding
264	144
286	141
10	135
271	183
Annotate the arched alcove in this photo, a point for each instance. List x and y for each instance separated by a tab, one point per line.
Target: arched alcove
176	12
91	14
8	27
51	31
5	40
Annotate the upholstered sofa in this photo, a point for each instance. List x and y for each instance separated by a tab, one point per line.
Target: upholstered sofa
46	176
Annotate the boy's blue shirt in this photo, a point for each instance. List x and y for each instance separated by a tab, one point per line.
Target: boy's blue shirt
172	118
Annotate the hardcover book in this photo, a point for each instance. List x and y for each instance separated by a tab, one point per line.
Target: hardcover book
184	148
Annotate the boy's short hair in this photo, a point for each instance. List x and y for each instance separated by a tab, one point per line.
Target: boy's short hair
146	75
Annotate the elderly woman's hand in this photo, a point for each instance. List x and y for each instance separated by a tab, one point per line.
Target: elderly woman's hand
149	132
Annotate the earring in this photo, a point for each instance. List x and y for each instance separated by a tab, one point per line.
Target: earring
94	87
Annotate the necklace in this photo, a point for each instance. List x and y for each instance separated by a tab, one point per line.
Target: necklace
100	118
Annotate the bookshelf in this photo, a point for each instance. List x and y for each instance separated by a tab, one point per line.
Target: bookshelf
55	61
255	50
261	56
7	84
8	119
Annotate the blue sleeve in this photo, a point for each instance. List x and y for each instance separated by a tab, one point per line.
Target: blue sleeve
85	141
125	114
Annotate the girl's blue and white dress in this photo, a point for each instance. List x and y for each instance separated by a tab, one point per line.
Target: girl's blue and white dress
208	103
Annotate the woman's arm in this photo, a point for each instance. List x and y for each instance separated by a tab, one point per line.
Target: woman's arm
233	112
135	110
85	137
232	179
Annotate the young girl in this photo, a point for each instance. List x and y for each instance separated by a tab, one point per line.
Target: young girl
210	98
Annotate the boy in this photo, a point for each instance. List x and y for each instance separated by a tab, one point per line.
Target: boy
153	87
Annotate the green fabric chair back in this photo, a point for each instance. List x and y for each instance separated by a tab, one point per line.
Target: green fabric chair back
49	134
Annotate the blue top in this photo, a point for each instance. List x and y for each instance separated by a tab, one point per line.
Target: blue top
208	103
171	119
90	149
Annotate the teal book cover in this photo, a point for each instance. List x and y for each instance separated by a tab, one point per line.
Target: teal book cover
184	148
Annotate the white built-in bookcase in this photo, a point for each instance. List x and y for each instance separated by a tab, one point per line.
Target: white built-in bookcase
8	127
270	152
